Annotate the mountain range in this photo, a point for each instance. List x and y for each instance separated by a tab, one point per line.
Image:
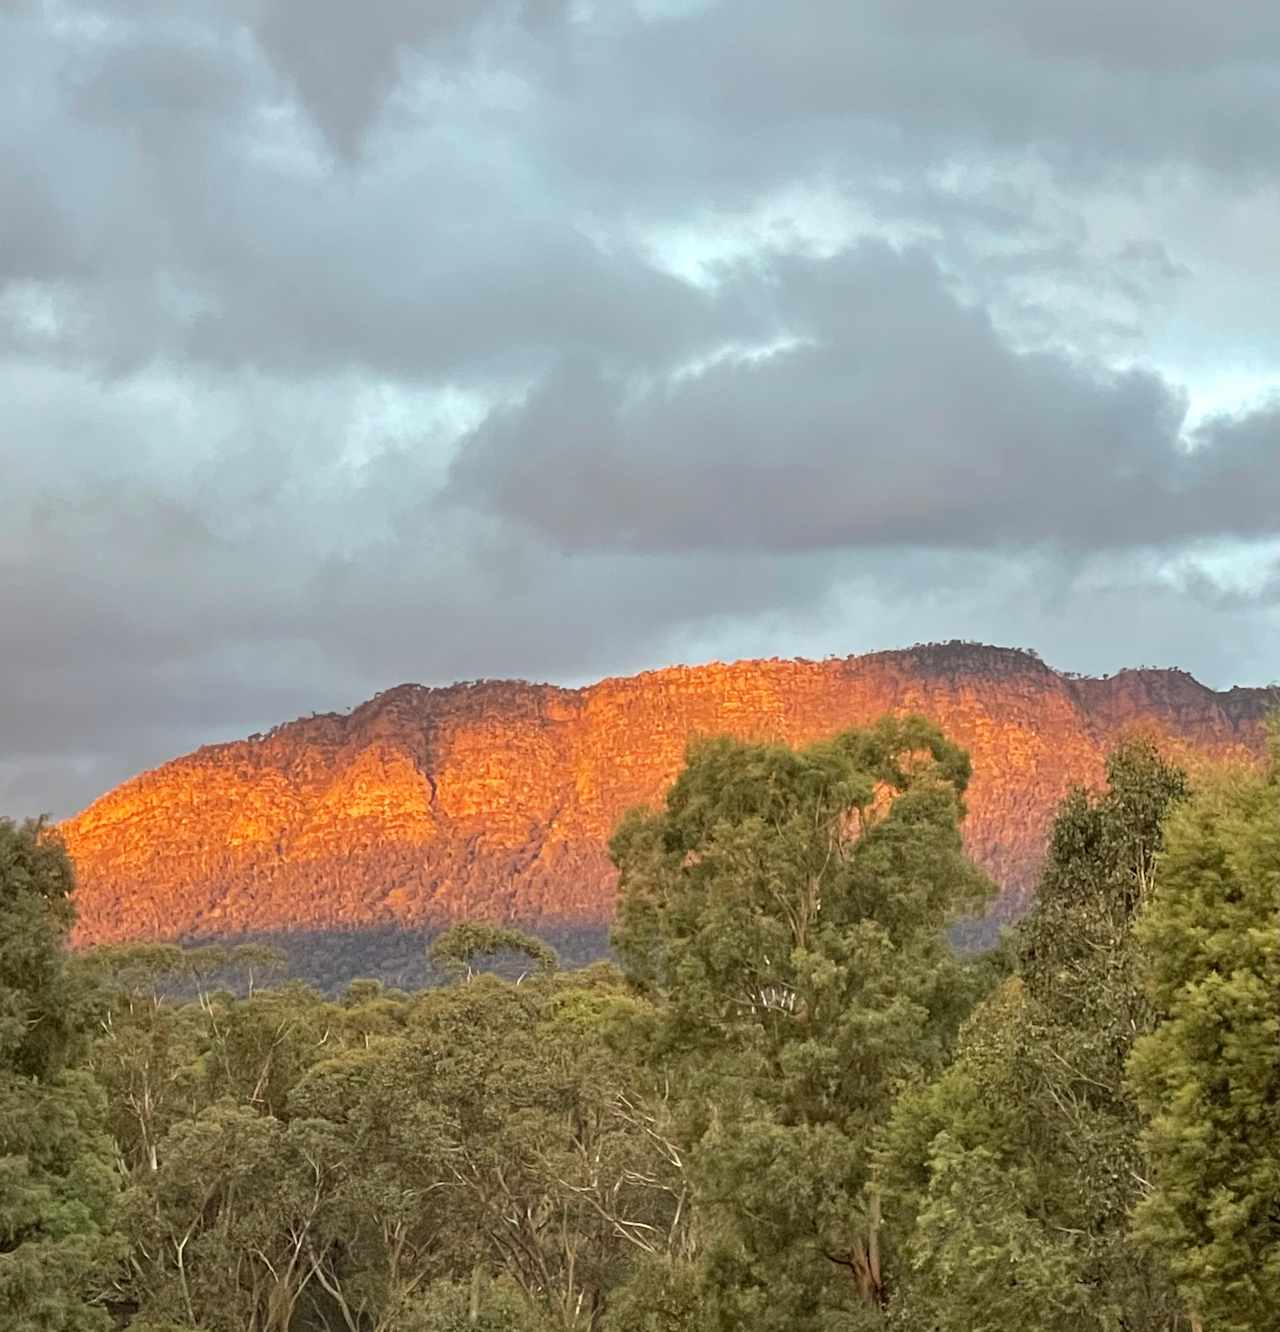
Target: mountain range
496	798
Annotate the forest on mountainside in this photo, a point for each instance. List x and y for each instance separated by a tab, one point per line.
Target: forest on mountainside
497	799
790	1107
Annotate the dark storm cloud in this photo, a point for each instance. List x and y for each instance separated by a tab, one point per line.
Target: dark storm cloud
900	416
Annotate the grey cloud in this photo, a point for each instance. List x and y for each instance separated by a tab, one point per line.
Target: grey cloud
236	223
32	240
1231	481
33	784
163	232
346	59
178	212
1086	85
712	108
902	417
144	620
1211	590
487	302
164	89
1139	35
153	606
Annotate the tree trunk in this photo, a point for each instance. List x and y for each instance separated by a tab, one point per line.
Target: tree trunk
873	1241
865	1259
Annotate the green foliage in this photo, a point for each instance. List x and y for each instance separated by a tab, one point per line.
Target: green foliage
557	1157
661	1294
233	1228
455	1306
57	1180
795	1109
1208	1075
1016	1171
459	948
1076	955
39	1018
992	1265
298	1164
785	911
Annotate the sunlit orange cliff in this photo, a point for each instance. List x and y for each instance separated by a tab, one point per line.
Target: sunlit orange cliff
497	798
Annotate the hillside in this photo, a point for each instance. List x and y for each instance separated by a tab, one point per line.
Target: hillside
497	797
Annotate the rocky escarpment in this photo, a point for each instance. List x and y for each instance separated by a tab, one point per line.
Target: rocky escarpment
498	797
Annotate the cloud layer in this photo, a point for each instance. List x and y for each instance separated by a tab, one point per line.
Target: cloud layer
344	345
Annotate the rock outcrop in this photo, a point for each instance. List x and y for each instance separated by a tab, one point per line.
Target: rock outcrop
496	798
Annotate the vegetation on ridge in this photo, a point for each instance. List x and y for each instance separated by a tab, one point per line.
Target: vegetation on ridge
427	806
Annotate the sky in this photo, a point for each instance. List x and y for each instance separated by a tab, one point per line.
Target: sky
344	345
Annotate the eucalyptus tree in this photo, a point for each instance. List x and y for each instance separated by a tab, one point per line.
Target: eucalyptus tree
558	1173
58	1184
1208	1075
1016	1172
457	951
231	1231
146	1049
786	911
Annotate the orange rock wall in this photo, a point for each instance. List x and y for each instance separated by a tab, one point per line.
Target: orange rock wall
497	798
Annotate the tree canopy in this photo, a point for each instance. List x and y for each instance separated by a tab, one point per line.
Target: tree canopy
1208	1075
786	912
57	1180
793	1107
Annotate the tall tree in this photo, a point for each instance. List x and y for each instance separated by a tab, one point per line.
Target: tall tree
786	910
232	1229
57	1181
460	948
1208	1075
1021	1163
146	1050
559	1177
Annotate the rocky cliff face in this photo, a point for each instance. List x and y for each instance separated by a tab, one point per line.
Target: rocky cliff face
497	798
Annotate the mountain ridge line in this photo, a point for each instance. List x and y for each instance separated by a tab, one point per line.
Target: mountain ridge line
496	797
